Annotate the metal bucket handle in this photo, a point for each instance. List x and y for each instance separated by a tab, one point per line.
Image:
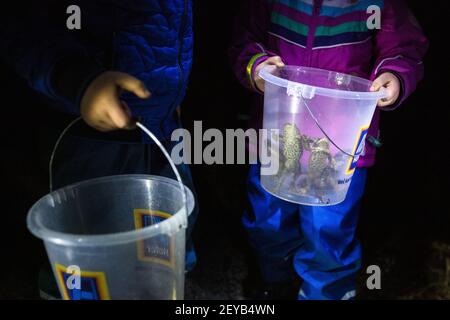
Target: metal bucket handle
147	132
299	91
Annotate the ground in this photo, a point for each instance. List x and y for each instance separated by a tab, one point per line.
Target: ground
221	278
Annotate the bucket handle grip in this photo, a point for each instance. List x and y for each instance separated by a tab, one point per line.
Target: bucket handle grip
148	133
300	91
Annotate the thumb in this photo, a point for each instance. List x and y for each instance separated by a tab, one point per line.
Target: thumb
278	62
378	83
133	85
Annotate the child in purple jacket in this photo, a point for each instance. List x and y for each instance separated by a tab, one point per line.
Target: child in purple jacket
334	35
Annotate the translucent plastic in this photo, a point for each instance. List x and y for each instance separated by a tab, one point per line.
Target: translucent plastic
126	234
322	118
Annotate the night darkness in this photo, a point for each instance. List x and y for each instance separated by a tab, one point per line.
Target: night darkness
405	221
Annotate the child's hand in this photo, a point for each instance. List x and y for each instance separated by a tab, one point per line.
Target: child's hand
272	61
101	107
392	85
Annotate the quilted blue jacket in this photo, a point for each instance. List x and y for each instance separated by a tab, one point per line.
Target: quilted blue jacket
149	39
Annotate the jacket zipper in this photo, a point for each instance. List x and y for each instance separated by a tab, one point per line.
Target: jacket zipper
312	30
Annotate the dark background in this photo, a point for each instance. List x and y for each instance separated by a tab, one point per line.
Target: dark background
405	224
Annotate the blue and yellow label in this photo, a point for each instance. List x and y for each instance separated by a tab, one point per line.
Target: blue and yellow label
358	149
159	249
87	285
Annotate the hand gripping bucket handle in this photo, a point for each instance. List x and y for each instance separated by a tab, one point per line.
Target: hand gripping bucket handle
148	133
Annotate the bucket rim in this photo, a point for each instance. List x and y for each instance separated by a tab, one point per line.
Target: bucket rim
266	74
170	226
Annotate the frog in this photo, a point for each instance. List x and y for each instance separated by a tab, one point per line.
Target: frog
321	167
293	144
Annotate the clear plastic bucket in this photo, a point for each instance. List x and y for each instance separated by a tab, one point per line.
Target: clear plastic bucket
119	237
318	122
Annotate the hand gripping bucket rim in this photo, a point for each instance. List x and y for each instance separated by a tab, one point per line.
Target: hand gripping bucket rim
308	91
168	226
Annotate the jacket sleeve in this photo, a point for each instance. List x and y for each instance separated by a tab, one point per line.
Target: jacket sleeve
399	47
37	45
248	47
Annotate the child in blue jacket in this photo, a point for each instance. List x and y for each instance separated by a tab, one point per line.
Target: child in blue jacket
129	60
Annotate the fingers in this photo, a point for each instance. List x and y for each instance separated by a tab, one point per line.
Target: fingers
131	84
389	99
386	102
131	122
392	87
272	61
118	115
101	107
275	61
109	114
100	122
380	82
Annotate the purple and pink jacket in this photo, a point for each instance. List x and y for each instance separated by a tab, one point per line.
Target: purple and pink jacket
332	35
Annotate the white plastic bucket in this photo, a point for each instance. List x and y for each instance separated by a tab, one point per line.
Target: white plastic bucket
119	237
322	119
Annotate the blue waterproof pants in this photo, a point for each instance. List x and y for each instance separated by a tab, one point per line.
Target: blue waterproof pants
319	241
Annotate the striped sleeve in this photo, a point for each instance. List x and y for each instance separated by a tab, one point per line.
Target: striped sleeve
248	48
400	47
